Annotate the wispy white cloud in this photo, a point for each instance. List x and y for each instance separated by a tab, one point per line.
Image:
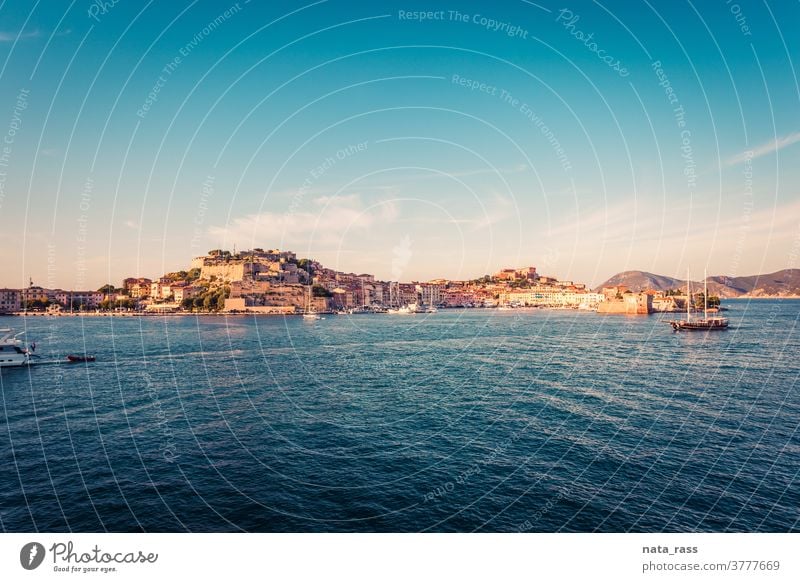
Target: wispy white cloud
471	215
6	36
325	220
765	149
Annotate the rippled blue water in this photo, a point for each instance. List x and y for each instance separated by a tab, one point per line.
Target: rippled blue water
456	421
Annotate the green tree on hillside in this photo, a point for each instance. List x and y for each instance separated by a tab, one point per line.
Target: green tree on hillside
219	303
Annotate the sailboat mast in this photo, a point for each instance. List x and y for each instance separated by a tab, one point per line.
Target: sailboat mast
705	294
688	297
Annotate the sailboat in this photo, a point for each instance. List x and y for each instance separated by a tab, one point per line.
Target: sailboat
706	323
310	314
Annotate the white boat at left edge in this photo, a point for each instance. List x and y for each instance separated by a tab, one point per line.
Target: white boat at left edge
12	350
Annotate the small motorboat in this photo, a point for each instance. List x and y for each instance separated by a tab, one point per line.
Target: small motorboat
75	359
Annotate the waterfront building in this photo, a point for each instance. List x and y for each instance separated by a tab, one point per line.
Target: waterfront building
78	299
458	297
629	304
408	293
380	295
36	293
372	294
429	293
10	300
550	296
342	299
394	294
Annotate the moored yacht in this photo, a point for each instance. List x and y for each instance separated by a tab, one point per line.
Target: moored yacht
12	350
705	323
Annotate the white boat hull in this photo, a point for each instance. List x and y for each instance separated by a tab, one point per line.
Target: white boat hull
12	351
14	362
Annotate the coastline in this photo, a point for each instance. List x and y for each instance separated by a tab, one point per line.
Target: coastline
263	314
300	314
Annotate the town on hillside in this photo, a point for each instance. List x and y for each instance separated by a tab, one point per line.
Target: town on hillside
277	282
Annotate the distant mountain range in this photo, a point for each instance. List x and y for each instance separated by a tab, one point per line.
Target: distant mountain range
785	283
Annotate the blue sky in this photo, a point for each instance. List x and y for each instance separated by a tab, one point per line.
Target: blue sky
139	134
